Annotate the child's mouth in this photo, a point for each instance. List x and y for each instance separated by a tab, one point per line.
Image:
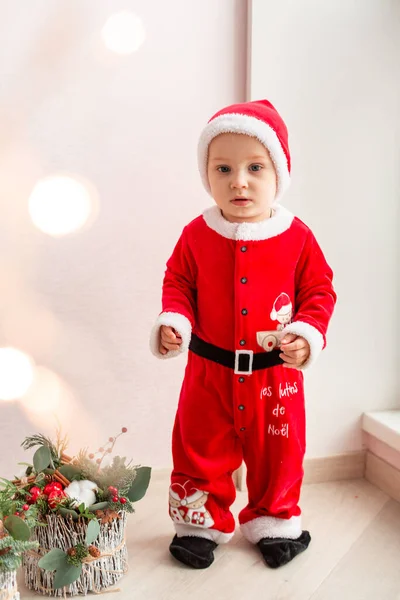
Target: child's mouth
241	201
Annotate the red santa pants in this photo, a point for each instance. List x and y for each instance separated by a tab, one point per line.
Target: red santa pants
222	419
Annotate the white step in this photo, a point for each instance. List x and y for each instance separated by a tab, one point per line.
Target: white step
384	426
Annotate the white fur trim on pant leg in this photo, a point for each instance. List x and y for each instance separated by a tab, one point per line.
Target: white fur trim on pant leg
313	337
271	527
178	322
209	534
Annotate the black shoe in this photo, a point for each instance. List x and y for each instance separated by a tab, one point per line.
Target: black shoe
279	551
196	552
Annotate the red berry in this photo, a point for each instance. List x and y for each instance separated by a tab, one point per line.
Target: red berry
98	461
35	492
50	487
122	500
25	507
55	497
101	449
109	451
115	499
110	439
16	514
124	430
91	455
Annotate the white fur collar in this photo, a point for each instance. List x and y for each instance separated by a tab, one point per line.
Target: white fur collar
261	230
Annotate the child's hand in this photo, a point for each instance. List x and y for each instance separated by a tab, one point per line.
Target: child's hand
170	339
295	351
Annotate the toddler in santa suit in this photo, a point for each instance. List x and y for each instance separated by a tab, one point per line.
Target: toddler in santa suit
249	293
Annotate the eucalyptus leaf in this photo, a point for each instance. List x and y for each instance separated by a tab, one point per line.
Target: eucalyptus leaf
68	512
93	530
140	484
48	471
69	471
17	528
98	506
66	574
53	560
41	458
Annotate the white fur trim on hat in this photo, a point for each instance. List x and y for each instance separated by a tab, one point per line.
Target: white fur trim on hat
280	221
313	337
237	123
271	527
180	323
219	537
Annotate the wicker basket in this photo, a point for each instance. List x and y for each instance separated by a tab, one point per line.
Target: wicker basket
96	576
8	585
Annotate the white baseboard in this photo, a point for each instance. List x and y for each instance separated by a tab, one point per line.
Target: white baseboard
350	465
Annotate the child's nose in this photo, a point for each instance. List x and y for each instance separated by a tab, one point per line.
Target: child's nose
239	180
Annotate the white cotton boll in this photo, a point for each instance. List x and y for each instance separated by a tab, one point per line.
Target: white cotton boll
72	490
85	484
82	492
88	497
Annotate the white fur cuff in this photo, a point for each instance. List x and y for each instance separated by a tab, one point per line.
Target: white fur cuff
210	534
180	323
271	527
313	337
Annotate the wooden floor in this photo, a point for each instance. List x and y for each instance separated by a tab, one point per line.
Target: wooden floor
354	554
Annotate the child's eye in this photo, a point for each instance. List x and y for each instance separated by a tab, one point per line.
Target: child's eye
223	169
255	168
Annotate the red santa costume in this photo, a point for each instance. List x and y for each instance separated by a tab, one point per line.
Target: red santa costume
225	284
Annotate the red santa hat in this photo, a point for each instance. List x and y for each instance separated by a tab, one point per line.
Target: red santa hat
282	306
258	119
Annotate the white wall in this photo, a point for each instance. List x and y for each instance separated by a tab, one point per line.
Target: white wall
83	306
332	69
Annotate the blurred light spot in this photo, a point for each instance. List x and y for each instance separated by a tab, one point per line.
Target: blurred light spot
60	205
46	393
16	373
50	404
123	33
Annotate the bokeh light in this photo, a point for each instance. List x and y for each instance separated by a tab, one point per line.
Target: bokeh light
16	373
46	393
123	33
61	205
51	404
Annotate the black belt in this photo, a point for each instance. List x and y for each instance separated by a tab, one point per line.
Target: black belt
243	362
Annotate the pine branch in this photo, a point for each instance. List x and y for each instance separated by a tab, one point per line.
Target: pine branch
12	559
38	439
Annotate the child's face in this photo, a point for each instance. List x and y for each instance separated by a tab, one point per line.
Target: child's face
242	177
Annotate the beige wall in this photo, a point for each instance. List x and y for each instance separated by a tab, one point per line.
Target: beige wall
82	306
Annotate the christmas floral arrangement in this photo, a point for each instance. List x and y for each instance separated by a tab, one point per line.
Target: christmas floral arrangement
77	508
